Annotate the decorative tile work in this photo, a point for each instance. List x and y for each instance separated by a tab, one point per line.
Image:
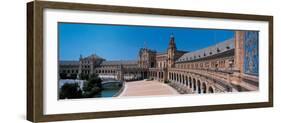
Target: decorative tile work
251	50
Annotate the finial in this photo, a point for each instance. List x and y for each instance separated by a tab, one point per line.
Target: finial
172	38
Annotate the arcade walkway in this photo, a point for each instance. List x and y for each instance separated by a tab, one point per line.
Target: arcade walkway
145	88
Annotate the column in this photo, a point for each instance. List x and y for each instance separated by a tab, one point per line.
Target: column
238	57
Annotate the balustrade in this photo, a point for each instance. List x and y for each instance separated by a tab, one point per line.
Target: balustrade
219	76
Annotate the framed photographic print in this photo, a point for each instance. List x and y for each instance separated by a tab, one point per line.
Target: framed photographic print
97	61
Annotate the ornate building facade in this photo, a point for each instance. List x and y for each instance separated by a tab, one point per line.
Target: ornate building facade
119	70
229	66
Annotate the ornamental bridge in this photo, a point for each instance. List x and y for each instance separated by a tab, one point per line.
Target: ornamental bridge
111	84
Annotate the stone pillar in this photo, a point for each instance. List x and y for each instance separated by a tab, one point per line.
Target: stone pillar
239	51
238	57
165	75
157	75
186	81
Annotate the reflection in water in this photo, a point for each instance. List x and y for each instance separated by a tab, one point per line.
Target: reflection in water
108	92
110	89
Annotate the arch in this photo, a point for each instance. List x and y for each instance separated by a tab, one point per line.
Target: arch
194	84
186	80
210	90
182	79
199	86
190	83
204	88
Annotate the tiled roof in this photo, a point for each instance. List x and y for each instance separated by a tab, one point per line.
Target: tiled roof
121	62
208	51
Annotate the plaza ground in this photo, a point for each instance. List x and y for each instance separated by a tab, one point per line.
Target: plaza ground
145	88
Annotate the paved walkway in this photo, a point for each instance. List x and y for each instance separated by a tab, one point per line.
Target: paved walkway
145	88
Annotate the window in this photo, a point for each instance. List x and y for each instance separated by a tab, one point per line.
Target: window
206	64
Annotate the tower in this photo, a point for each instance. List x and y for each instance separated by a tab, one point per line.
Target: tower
171	51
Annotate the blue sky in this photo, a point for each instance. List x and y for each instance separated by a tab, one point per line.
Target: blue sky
120	42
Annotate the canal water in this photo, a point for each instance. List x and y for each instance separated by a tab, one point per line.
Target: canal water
110	90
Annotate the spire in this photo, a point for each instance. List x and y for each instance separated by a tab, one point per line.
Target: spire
171	51
172	41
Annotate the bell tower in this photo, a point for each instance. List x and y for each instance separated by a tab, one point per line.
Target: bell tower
171	51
